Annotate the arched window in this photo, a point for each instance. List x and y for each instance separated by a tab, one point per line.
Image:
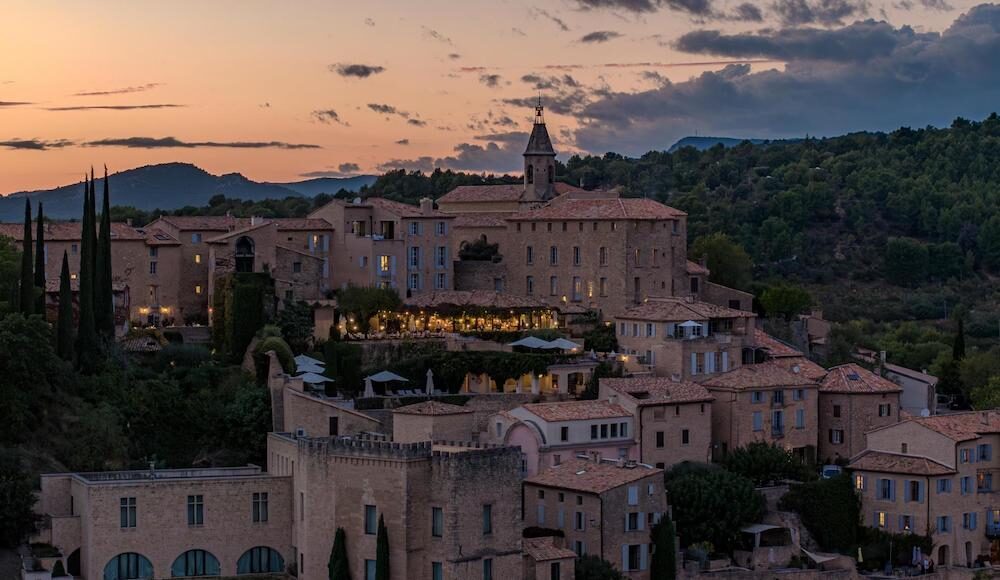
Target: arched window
531	174
195	563
260	560
73	563
552	174
128	566
244	254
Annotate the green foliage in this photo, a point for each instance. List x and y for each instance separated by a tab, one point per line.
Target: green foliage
382	551
728	263
905	261
977	368
785	300
479	250
39	281
830	509
508	336
104	310
10	268
181	355
986	396
711	504
65	324
766	463
601	338
343	362
664	561
450	368
241	308
86	338
603	370
27	292
58	570
280	348
362	303
338	566
592	567
876	545
295	320
409	187
17	518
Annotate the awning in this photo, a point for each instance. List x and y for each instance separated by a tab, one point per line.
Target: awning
386	376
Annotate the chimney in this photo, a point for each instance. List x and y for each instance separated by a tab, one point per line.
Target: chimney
796	369
128	222
426	205
613	398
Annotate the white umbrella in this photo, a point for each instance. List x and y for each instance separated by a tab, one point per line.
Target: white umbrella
307	367
369	390
689	324
430	382
386	376
531	342
565	344
308	360
314	378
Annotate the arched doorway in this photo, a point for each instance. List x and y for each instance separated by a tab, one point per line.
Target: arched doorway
128	566
968	554
943	556
244	254
195	563
73	563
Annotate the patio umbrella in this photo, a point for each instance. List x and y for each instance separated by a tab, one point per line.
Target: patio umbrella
564	344
308	360
369	390
314	378
689	324
430	382
531	342
308	367
386	376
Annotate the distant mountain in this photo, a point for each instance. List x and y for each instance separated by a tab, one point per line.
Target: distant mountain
171	186
703	143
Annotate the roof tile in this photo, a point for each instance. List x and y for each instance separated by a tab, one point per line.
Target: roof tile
590	476
675	309
658	390
854	378
576	410
884	462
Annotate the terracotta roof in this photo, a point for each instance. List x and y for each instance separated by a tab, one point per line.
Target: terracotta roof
680	310
576	410
763	375
924	377
590	476
854	378
312	224
499	192
471	298
961	426
576	208
432	408
776	348
205	222
405	210
658	390
158	237
545	549
68	231
239	231
696	268
884	462
806	367
480	220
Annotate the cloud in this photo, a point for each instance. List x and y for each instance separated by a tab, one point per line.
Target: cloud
425	164
35	144
552	18
508	138
369	21
822	12
121	91
416	122
491	80
403	142
116	107
500	153
747	12
697	8
172	142
916	80
626	5
940	5
858	42
342	170
328	116
348	168
454	56
14	103
541	83
361	71
517	31
599	36
384	109
435	35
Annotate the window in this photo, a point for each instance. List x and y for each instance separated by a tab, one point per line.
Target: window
694	284
554	255
859	482
196	510
614	430
943	524
633	553
555	572
965	484
603	286
153	251
633	495
414	281
887	489
334	426
369	569
984	481
128	566
413	258
659	439
152	267
196	238
384	264
540	514
259	508
440	281
778	397
624	430
577	289
576	255
944	485
529	285
437	522
800	418
529	255
553	286
969	520
296	267
564	433
836	410
798	394
487	568
437	571
632	521
885	410
757	397
441	228
880	519
415	228
604	431
197	289
836	436
758	421
914	491
685	437
603	252
441	257
128	512
579	521
593	431
371	523
905	523
985	452
74	249
197	258
195	563
487	519
556	459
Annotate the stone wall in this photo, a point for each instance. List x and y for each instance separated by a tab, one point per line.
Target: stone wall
479	275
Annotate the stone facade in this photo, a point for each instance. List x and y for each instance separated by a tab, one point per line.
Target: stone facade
853	401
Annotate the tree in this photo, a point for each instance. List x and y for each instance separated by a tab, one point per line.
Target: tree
591	567
830	509
17	520
728	263
338	566
363	303
295	320
382	551
27	276
785	300
479	250
40	261
906	261
986	396
664	540
711	504
10	272
87	333
104	309
64	323
958	346
977	368
765	463
58	571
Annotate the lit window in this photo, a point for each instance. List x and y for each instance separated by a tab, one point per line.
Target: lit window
197	258
197	289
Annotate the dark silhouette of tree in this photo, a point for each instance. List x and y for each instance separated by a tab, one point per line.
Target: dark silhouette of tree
64	324
382	551
87	334
338	566
664	540
27	278
104	310
727	262
40	261
958	347
591	567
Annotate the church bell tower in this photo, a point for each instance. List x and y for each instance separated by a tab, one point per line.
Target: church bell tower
539	161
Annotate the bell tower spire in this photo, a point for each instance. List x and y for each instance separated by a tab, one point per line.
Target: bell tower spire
539	161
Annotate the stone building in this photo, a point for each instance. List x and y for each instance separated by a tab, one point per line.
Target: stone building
852	401
385	243
673	419
935	476
603	507
764	402
684	338
550	433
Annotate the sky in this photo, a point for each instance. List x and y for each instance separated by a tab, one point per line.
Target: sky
286	90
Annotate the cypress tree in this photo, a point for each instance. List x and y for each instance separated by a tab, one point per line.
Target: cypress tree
958	346
382	551
27	277
338	565
64	325
40	261
87	335
664	564
104	313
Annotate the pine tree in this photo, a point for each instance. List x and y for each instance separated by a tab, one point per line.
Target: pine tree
27	277
40	261
664	564
104	313
87	335
338	565
382	551
64	325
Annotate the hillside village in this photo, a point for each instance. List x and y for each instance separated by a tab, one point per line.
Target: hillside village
524	380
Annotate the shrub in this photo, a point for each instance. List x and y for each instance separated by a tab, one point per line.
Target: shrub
765	463
280	348
830	509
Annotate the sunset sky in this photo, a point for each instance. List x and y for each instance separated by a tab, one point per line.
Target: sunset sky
283	90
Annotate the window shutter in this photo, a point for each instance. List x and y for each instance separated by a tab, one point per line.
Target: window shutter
725	361
670	328
900	528
541	514
642	521
907	496
972	520
561	519
892	489
694	363
625	558
626	522
643	549
709	362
